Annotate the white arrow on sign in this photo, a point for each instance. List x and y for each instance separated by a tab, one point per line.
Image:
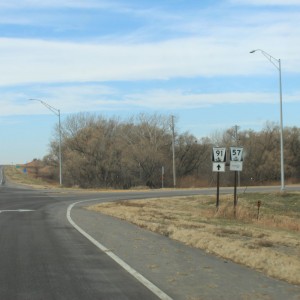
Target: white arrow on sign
218	167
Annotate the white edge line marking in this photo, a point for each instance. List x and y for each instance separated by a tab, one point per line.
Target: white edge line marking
16	210
153	288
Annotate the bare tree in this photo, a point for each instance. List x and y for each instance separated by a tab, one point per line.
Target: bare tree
99	152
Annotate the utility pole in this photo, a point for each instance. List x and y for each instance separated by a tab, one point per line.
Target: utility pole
173	150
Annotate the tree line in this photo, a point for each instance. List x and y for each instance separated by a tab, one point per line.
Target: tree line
100	152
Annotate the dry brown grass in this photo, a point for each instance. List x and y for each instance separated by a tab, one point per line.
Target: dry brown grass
18	176
270	244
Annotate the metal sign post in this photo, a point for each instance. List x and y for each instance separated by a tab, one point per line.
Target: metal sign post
236	165
235	193
218	191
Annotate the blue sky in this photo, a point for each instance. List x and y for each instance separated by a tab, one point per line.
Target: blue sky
121	57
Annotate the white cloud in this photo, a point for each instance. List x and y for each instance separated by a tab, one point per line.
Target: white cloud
266	2
211	48
67	98
120	7
17	4
73	99
223	50
26	61
164	99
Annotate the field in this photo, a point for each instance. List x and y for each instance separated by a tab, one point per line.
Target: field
267	240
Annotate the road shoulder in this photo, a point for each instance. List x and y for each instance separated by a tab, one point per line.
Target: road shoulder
180	271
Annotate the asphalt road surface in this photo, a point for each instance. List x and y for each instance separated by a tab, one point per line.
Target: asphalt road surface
52	248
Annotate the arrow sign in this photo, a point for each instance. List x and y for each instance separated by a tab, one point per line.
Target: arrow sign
218	167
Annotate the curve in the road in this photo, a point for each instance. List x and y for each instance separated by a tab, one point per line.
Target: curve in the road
158	292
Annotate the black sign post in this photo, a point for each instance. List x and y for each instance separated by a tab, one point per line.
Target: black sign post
235	193
236	165
218	191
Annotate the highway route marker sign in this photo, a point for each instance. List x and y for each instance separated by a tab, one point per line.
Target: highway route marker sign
219	154
236	153
236	159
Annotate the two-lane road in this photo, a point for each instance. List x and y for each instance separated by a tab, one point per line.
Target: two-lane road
42	256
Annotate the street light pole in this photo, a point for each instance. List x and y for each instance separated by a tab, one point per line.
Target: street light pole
277	63
57	113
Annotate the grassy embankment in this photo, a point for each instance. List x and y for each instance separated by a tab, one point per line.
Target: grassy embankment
18	176
270	244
